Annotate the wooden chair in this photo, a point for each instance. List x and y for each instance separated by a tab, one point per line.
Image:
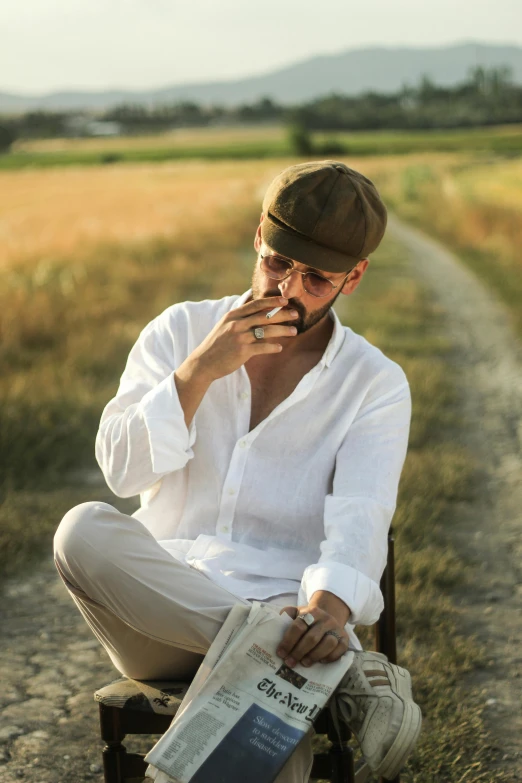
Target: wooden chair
125	708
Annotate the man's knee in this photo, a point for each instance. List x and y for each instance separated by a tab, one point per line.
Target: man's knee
83	525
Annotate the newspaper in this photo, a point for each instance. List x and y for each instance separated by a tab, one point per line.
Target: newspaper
245	711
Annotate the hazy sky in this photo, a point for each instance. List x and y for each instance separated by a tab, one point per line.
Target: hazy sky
54	44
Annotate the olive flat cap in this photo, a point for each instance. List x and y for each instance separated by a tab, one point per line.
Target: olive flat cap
323	214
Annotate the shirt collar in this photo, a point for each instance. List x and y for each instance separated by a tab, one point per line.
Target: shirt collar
336	340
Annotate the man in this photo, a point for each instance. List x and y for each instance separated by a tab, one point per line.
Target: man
267	453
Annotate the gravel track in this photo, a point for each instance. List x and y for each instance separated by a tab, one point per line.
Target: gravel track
488	360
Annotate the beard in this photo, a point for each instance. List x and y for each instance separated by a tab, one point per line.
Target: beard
306	319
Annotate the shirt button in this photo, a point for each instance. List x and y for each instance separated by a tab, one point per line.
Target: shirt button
231	491
224	529
244	396
242	444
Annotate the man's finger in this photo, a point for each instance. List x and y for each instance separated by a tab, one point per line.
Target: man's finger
338	652
290	610
290	639
256	305
321	651
292	635
309	642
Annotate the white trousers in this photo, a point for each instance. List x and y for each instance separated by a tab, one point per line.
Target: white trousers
156	617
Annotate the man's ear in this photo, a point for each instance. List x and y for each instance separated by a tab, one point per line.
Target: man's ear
355	277
257	240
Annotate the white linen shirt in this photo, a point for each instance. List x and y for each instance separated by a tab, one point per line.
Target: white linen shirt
301	503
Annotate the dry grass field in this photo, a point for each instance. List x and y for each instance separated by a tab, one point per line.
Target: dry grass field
56	214
474	205
62	214
89	257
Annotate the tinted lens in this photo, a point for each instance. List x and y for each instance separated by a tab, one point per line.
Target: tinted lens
317	285
275	267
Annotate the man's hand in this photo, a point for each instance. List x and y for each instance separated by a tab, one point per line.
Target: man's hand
231	342
306	646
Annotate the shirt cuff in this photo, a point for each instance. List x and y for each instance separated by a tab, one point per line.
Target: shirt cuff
170	440
360	593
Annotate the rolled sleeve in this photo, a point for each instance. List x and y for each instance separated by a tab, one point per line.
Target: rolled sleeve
143	435
360	593
169	436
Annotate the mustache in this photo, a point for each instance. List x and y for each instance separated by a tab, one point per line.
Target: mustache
292	303
297	306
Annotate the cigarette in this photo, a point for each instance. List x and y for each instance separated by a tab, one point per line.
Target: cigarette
274	311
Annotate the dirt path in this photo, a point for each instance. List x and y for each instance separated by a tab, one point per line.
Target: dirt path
489	531
51	664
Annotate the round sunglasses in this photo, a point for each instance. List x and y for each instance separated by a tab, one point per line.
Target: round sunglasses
278	268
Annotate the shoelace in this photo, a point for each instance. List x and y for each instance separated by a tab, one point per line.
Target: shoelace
374	677
352	711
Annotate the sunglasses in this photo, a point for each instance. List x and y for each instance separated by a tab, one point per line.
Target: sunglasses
278	268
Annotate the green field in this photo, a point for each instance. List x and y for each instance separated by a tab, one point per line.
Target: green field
255	143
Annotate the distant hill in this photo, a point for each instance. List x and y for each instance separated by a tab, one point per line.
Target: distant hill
382	69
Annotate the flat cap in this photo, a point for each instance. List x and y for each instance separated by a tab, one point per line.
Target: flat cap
323	214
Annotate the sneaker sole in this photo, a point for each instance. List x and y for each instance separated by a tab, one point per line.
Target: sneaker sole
408	733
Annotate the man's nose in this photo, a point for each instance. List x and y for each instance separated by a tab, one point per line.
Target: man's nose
292	286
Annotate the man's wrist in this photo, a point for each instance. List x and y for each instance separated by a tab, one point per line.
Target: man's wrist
193	371
331	603
191	384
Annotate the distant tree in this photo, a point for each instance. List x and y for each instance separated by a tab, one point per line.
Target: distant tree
264	110
331	148
300	140
488	96
407	97
491	81
478	79
7	137
426	90
43	124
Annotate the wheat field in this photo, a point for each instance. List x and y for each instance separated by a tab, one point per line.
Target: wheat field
56	213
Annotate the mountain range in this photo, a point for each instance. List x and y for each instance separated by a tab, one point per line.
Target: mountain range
381	69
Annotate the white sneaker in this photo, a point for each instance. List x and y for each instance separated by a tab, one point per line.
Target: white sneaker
375	700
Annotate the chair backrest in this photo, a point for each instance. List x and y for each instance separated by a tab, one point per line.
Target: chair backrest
385	629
